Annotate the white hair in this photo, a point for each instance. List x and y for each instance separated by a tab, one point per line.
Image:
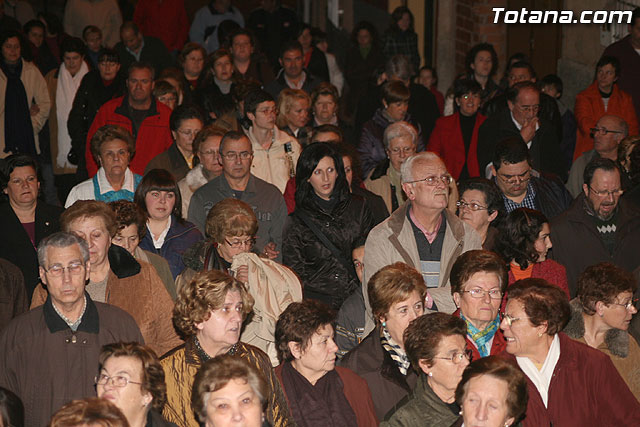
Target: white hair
397	130
406	170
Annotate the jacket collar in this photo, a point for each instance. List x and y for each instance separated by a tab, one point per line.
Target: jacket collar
123	108
615	340
226	188
90	320
122	263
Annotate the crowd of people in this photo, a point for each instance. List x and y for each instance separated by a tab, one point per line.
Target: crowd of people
213	220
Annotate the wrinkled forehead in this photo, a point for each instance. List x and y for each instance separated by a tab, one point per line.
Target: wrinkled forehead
426	167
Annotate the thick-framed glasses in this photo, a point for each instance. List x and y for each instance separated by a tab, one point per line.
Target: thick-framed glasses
433	180
480	293
240	243
472	206
57	270
232	155
457	357
606	193
510	319
529	108
604	130
629	305
116	381
512	179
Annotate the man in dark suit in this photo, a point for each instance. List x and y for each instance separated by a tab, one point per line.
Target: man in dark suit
521	119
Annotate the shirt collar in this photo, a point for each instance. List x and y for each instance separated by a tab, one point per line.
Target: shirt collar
90	320
105	186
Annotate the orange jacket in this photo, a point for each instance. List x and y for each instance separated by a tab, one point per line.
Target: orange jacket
590	108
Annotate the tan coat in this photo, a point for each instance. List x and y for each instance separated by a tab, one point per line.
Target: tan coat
180	368
36	88
146	299
273	287
393	240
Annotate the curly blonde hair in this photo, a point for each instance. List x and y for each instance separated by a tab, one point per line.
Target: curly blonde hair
204	293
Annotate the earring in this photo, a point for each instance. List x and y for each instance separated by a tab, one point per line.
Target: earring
384	324
430	374
539	335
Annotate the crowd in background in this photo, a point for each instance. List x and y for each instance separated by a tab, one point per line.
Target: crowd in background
213	219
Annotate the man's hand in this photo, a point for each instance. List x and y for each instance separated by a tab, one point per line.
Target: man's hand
528	130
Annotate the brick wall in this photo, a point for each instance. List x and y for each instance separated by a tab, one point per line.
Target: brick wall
474	24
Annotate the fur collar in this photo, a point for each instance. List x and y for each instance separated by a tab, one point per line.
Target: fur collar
616	340
195	178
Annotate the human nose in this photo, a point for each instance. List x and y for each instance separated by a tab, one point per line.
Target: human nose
503	324
481	413
236	415
549	243
486	297
633	309
333	347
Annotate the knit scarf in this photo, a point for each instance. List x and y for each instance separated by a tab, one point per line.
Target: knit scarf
66	89
18	129
396	352
112	196
482	337
320	404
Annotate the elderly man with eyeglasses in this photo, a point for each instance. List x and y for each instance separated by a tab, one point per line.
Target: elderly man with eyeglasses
599	226
49	355
237	181
607	134
522	119
521	185
422	233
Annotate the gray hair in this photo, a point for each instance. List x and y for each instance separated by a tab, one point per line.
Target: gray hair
398	130
406	170
61	239
623	126
398	66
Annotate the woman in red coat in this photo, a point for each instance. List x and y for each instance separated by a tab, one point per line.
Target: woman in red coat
570	383
455	137
602	97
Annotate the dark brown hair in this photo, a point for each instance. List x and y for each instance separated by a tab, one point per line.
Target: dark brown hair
297	323
108	133
395	91
422	336
152	372
159	180
128	213
477	261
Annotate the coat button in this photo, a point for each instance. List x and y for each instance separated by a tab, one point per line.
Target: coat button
73	339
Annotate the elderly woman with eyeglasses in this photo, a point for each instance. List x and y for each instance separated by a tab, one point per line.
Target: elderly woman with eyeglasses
436	346
478	280
600	317
492	393
131	377
569	383
231	227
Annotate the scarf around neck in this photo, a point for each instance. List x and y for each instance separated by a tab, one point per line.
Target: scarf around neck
18	129
66	89
397	354
482	337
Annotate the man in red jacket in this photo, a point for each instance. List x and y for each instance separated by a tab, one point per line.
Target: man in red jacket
141	114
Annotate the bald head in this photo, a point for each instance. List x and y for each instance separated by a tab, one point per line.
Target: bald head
609	131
